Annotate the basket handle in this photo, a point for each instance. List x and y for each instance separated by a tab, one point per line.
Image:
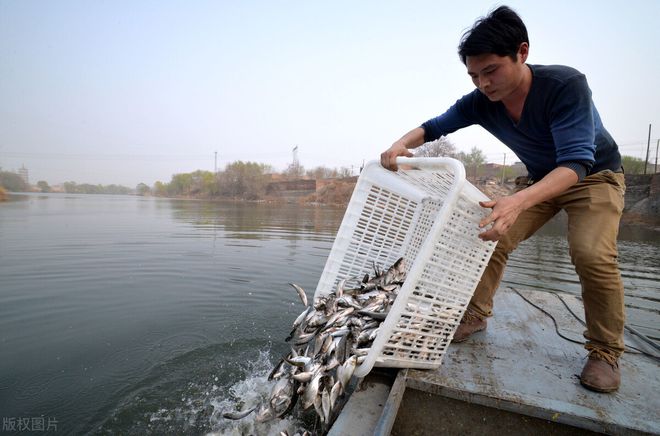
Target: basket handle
434	162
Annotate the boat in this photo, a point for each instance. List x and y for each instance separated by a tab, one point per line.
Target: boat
519	376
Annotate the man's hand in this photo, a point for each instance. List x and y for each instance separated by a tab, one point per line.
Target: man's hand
388	157
504	215
412	139
506	209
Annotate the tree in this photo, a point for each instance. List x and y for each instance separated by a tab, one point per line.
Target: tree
43	186
88	188
181	184
294	171
472	161
345	172
632	165
12	182
70	187
440	147
322	172
245	180
204	183
160	189
142	189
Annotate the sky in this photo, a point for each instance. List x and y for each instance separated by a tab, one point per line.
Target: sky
126	92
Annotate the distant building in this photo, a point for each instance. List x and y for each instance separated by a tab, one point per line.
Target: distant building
23	172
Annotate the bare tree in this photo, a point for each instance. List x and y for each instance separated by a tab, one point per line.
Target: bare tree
294	171
440	147
322	172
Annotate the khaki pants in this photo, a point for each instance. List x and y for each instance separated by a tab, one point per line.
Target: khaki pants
594	208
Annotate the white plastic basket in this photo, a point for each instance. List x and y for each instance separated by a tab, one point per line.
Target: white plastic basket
427	213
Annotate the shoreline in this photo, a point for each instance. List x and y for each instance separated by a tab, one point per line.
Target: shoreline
628	218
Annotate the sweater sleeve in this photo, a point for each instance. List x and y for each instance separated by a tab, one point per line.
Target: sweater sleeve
456	117
572	124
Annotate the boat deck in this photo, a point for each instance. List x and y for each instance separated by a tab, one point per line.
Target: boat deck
521	365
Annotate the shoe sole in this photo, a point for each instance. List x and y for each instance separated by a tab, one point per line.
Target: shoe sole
458	341
598	388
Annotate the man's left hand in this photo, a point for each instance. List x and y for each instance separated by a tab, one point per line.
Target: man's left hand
504	214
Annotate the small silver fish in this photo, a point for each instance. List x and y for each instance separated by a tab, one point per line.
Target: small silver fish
380	316
340	288
345	372
335	392
325	404
303	377
298	361
311	392
238	415
282	397
301	293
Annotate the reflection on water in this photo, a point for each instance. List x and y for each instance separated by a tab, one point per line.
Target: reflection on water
255	220
129	315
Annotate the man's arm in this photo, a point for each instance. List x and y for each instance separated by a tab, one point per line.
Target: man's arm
506	209
456	117
410	140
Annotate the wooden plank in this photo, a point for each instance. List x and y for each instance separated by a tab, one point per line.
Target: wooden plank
386	421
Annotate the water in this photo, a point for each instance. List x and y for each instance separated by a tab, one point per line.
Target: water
129	315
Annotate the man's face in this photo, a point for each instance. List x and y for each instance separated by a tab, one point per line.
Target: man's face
497	77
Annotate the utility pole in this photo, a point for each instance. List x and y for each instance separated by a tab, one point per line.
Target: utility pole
215	163
655	168
648	145
296	164
503	168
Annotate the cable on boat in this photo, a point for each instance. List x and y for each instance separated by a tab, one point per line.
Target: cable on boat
629	347
634	331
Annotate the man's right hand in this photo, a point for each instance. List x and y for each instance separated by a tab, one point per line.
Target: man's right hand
412	139
388	157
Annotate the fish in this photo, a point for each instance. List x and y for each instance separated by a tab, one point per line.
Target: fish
303	377
329	339
345	372
239	415
277	371
299	361
335	392
311	392
325	405
301	293
379	316
283	397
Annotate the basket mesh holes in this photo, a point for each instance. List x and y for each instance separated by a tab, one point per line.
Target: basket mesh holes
380	233
390	226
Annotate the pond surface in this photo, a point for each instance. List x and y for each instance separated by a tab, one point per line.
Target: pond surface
130	315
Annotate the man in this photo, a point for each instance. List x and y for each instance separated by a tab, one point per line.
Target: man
545	114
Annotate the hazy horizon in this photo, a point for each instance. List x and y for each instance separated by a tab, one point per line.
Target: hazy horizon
130	92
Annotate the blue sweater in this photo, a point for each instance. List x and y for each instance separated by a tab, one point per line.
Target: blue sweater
559	125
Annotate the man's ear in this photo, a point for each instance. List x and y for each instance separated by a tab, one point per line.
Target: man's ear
523	52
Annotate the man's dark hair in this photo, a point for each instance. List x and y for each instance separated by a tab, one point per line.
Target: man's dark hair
501	32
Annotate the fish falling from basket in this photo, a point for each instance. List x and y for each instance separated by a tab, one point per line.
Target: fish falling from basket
426	213
329	340
429	214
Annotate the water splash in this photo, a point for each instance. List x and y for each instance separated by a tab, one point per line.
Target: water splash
249	392
200	408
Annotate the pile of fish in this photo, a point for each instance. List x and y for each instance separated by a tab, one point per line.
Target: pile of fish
329	339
